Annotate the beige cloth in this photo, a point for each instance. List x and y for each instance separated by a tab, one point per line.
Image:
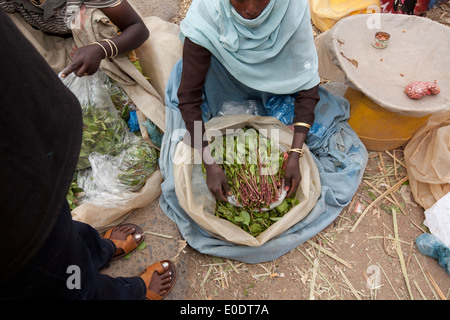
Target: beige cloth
427	158
417	51
102	218
157	57
199	204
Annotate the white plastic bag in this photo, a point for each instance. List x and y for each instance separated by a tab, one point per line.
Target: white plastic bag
437	219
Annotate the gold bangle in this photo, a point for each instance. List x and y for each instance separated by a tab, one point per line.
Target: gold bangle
112	51
298	150
110	47
106	53
302	124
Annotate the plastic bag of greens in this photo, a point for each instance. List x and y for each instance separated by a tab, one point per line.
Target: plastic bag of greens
104	131
113	160
110	178
120	99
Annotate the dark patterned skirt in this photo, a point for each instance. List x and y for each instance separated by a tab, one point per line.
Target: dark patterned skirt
57	24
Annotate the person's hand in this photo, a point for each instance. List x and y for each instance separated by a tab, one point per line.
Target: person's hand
217	182
292	175
86	61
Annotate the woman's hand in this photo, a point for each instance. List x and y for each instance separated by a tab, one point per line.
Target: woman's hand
86	61
217	182
133	34
292	175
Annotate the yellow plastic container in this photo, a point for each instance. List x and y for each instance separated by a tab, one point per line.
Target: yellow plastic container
378	128
325	13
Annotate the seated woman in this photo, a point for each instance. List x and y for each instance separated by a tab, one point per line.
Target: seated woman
241	50
55	16
258	49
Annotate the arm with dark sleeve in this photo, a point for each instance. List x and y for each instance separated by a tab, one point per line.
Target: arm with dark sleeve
196	62
304	106
305	103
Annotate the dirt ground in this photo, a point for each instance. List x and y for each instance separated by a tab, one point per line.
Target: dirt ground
362	255
356	257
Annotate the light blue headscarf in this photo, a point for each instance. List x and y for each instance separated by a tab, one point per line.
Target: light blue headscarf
273	53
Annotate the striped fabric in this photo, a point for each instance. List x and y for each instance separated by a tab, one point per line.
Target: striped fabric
57	22
95	3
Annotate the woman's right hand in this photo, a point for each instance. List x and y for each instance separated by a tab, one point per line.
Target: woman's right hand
86	61
217	182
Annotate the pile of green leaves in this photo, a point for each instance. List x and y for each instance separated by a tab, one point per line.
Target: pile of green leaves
254	167
254	222
103	132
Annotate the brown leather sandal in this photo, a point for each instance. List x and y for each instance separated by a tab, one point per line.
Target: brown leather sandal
128	245
147	274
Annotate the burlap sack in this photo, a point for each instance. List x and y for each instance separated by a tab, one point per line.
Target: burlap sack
427	159
102	218
195	198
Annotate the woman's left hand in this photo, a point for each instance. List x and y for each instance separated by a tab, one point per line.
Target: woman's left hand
292	175
86	61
